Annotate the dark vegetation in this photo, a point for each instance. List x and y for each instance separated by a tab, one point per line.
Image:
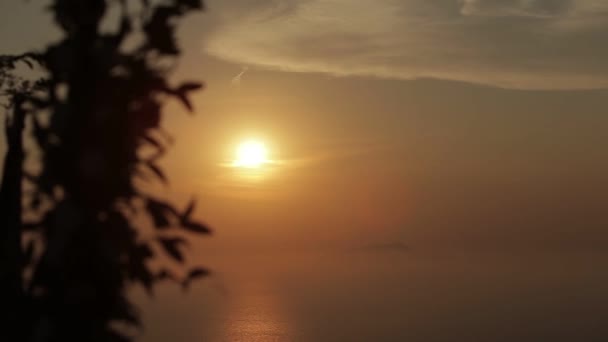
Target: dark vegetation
70	245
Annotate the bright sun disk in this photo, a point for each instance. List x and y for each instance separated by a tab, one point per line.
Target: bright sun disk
251	154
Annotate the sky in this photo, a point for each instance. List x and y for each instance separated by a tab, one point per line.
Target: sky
523	44
468	128
475	124
445	123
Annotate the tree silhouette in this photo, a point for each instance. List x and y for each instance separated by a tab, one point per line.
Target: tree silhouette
15	90
96	121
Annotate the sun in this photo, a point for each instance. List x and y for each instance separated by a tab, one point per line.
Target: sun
251	154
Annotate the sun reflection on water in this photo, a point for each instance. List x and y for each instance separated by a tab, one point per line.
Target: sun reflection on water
256	319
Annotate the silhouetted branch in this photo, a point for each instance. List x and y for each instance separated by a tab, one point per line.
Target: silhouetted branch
105	106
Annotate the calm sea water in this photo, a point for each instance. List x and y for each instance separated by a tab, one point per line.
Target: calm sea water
390	297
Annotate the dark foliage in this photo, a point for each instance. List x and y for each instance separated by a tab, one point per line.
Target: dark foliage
14	91
96	120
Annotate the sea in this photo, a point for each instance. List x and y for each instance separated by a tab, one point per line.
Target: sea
387	295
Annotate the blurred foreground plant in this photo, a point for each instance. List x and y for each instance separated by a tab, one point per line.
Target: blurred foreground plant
95	118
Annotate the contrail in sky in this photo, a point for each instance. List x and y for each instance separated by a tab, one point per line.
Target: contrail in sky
236	80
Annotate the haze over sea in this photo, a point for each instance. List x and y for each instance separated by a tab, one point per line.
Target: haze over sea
386	294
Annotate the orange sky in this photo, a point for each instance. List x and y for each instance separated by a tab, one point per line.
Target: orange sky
424	162
370	156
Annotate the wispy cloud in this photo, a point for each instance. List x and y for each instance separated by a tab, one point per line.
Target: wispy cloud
534	8
527	44
236	80
334	154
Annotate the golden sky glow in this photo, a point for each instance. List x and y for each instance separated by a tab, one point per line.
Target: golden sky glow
354	158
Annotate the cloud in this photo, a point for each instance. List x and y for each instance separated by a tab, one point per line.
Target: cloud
525	44
236	80
539	8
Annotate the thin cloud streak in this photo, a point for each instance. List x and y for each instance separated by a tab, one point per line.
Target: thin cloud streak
326	155
236	80
522	44
331	155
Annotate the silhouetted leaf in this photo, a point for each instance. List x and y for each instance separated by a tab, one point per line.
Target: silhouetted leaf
36	201
37	102
31	226
191	4
160	32
30	177
159	218
171	245
150	140
143	252
194	274
182	93
114	336
148	114
126	313
189	86
196	227
29	64
158	172
166	275
185	101
197	273
188	211
139	272
160	212
41	133
28	253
